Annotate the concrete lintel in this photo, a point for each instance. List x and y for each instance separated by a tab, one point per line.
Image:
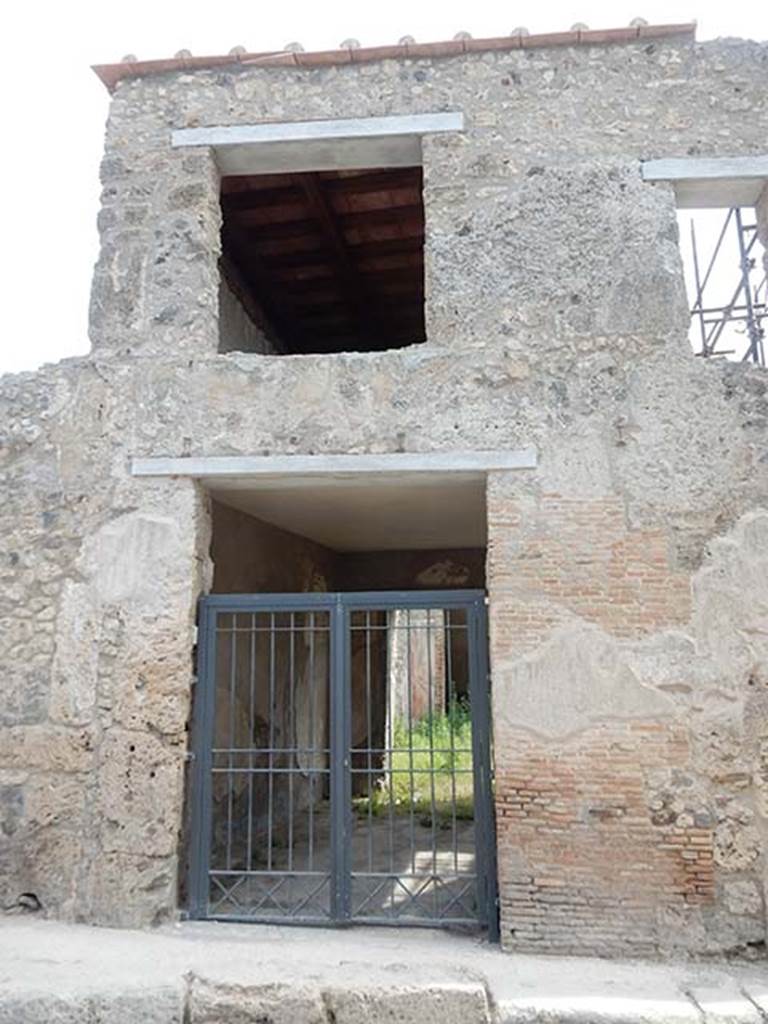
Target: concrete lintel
295	146
711	181
258	467
308	131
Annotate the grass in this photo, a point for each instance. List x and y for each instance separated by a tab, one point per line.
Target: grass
416	781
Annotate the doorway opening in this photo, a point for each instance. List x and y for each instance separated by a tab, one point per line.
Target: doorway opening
342	737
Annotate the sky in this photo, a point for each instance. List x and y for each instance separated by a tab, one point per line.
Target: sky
53	110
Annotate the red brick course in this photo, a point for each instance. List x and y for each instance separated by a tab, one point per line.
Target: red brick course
578	557
582	865
585	864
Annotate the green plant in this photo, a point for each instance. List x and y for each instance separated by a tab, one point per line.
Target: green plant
428	772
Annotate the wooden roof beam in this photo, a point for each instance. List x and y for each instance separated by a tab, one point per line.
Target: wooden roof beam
396	214
410	245
374	181
352	284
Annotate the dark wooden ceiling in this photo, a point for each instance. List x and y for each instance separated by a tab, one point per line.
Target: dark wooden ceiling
332	260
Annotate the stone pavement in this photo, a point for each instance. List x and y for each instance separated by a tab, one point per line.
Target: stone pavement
207	973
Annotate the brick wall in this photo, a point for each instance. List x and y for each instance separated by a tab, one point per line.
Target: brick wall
577	557
586	862
605	835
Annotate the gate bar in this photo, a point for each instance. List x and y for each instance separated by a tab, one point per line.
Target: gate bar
339	607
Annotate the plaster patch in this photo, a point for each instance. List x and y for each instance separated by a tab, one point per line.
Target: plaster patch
128	553
580	676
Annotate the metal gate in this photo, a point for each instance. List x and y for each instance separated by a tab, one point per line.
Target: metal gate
341	760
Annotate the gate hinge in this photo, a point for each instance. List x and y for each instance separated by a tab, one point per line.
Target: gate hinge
194	635
190	756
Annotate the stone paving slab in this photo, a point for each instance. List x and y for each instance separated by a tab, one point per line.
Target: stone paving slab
206	973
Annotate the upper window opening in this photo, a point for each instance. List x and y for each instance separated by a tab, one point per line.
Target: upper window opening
726	283
724	261
322	261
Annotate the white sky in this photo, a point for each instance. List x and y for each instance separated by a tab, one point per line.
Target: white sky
53	110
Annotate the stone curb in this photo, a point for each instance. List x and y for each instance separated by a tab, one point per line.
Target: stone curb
198	1000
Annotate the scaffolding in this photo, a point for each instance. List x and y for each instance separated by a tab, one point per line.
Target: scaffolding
746	313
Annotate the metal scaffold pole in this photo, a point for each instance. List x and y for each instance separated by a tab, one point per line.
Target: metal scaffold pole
747	309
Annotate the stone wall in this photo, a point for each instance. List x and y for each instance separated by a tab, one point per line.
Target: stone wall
251	556
627	574
98	602
546	172
237	331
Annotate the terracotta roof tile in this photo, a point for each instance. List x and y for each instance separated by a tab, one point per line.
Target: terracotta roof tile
572	38
376	53
321	57
111	74
496	43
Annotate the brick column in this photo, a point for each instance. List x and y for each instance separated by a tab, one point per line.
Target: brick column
601	847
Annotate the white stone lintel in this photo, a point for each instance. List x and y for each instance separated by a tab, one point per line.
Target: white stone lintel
711	181
306	131
294	146
251	468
